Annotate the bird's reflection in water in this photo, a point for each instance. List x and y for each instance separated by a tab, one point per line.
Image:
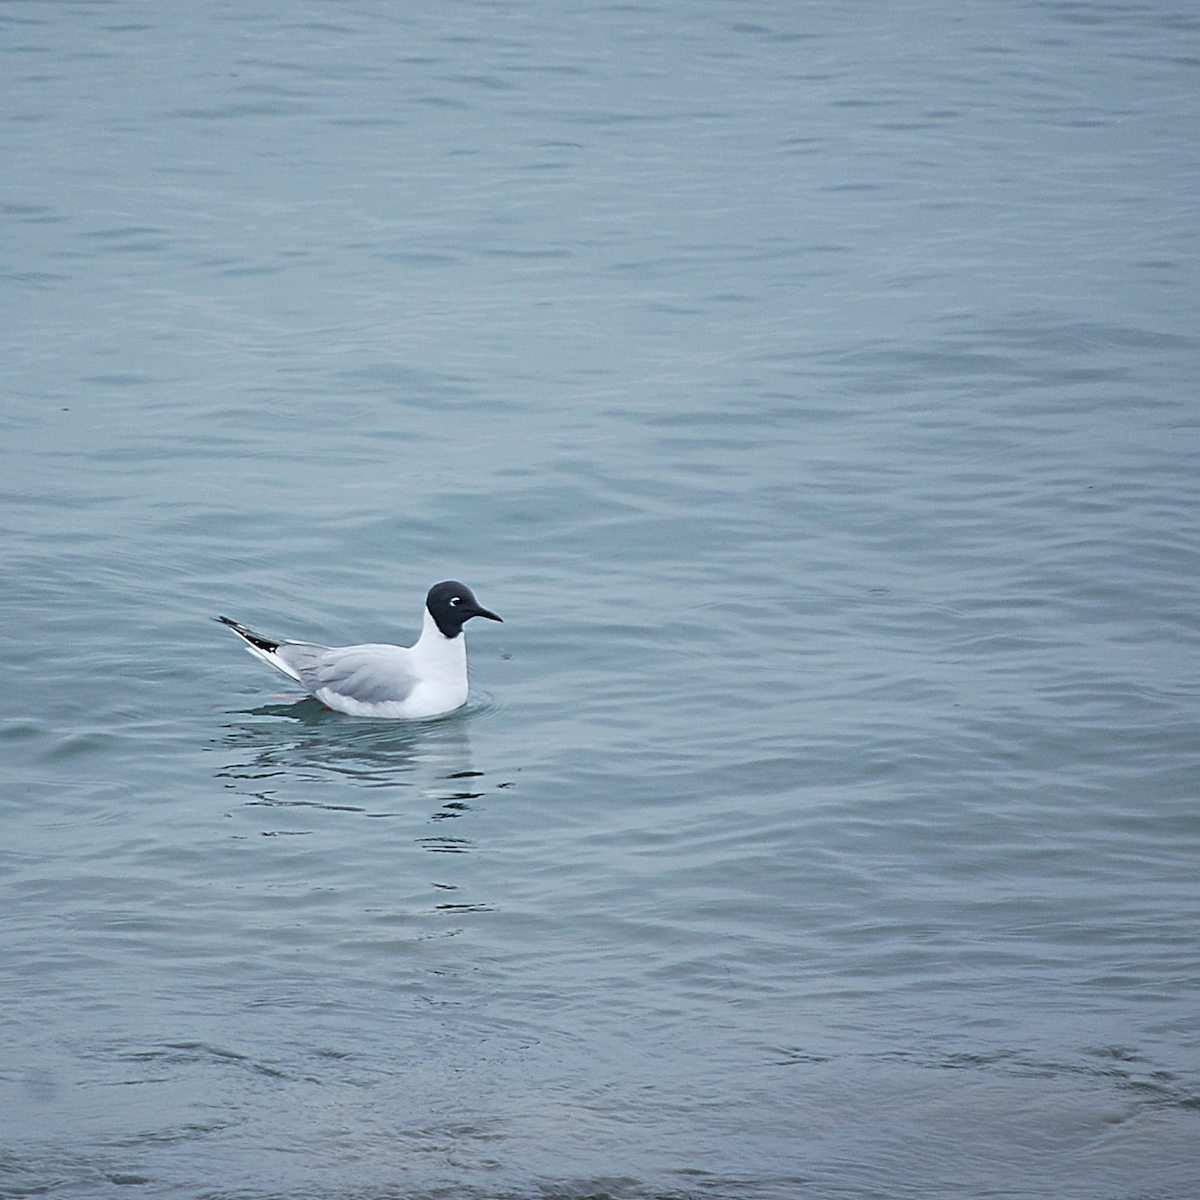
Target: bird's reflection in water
303	755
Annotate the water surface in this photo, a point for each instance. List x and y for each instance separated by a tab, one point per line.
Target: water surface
812	390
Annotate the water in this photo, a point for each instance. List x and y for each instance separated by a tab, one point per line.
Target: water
812	390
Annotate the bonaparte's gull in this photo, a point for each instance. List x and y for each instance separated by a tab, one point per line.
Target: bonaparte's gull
378	680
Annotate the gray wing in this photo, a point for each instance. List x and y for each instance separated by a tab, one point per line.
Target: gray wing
370	674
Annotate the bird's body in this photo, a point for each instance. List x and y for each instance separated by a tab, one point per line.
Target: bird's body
380	680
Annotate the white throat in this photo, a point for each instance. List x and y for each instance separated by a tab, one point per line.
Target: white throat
440	661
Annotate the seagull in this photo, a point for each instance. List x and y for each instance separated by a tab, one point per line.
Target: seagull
378	680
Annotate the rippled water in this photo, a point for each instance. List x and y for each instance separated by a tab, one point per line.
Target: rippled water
812	389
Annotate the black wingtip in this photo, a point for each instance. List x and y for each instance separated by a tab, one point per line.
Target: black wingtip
248	635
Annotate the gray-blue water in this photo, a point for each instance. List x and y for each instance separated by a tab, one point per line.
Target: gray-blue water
812	387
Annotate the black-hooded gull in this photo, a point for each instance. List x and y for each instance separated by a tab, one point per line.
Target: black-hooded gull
378	680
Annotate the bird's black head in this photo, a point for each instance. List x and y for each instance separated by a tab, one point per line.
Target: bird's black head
452	605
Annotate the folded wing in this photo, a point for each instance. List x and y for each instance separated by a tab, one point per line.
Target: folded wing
369	674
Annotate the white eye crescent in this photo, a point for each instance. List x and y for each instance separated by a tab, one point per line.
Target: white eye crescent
455	600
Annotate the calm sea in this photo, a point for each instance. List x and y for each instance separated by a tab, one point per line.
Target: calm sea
812	388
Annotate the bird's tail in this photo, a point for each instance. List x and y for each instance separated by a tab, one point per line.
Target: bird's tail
264	648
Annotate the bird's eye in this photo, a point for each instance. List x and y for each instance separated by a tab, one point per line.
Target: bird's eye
455	600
